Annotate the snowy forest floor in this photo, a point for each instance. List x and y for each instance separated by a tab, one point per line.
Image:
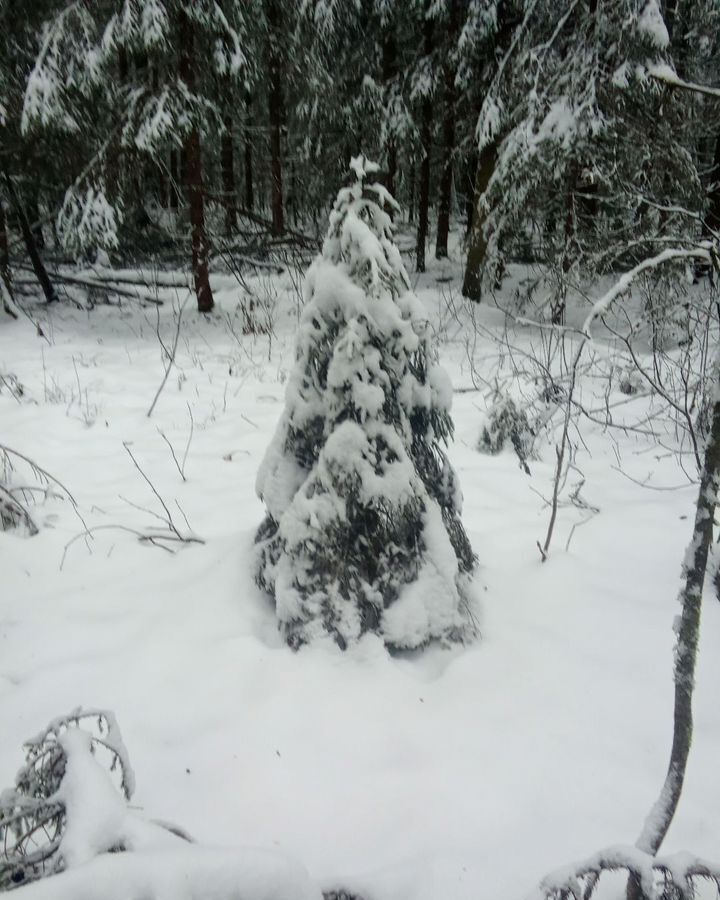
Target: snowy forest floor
444	775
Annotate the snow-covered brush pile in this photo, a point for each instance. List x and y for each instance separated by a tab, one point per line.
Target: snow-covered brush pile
67	832
41	815
363	530
676	876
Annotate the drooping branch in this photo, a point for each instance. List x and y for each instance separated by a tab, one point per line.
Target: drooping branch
665	74
674	875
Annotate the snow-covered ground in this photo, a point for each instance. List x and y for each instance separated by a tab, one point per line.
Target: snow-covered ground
445	775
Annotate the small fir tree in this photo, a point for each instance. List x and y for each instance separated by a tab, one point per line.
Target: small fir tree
363	531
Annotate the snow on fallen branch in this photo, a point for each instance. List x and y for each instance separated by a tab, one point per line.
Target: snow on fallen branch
675	875
140	277
68	833
38	814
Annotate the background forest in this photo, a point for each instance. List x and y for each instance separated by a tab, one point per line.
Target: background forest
164	130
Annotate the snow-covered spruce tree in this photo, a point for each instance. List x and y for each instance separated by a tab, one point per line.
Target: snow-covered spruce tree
363	531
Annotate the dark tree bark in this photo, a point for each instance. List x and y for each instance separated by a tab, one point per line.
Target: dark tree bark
448	142
426	140
157	171
557	306
175	179
411	196
193	177
275	114
688	632
5	271
477	247
33	214
711	223
227	159
248	161
30	245
389	71
470	170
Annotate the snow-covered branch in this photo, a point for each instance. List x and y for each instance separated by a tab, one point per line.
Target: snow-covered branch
663	72
603	304
655	874
67	832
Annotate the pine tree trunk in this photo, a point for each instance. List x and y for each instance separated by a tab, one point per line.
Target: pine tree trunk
448	144
158	171
5	271
227	158
688	632
389	67
426	140
477	248
477	245
33	213
557	307
470	170
175	179
411	196
711	223
193	177
275	114
248	161
30	245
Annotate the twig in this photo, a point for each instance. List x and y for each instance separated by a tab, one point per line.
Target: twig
152	487
171	359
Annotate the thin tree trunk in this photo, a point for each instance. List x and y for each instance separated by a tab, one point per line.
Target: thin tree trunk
5	271
470	170
448	144
248	161
157	170
175	179
392	166
711	223
477	248
477	245
389	71
227	158
275	114
33	213
426	140
30	245
193	177
688	632
557	311
411	196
